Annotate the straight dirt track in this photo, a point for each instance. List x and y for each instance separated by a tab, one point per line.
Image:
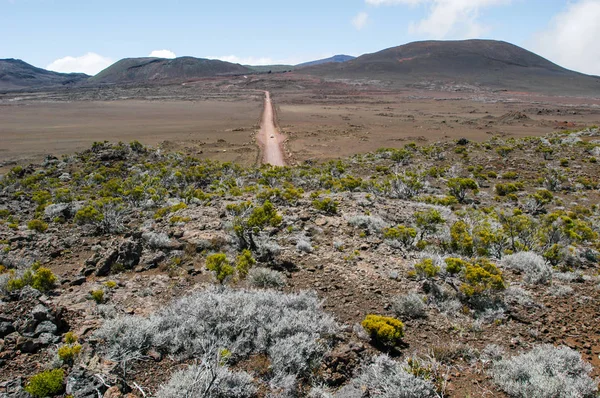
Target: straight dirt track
269	138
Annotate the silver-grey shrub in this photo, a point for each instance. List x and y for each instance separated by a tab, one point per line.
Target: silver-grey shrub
409	306
386	378
514	296
545	372
209	380
4	278
532	265
265	278
560	290
291	328
157	240
370	223
304	245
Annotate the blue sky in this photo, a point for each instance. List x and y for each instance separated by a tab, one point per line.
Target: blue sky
69	35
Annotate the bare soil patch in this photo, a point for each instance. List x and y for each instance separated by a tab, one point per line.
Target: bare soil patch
214	129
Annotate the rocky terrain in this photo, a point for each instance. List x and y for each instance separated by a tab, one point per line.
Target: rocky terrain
454	269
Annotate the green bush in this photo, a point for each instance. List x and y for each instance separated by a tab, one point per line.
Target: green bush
438	200
70	338
160	213
40	278
97	295
219	264
244	262
262	216
507	189
68	352
426	269
88	215
455	265
43	279
247	223
110	284
461	238
460	186
383	329
404	235
428	221
46	384
503	151
37	225
136	146
482	277
326	205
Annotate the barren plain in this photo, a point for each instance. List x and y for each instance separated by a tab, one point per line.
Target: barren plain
218	118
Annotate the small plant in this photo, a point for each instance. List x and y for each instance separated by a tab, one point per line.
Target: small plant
244	262
88	215
37	225
482	277
326	205
266	278
459	187
426	269
461	238
249	220
510	175
428	222
545	372
68	352
40	278
304	245
70	338
110	284
509	188
532	265
219	264
455	265
403	235
383	329
388	378
503	151
410	306
97	295
46	384
43	279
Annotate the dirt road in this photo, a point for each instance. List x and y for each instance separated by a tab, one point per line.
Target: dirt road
269	138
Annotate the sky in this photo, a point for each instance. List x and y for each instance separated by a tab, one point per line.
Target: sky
87	36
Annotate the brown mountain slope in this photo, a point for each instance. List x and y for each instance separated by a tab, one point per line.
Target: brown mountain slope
489	63
142	70
16	74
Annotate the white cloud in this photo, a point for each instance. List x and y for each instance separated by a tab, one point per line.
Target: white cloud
162	54
571	38
447	18
360	20
90	63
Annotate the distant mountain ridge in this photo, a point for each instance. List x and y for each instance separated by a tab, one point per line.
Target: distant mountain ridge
489	63
454	65
335	59
16	74
141	70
